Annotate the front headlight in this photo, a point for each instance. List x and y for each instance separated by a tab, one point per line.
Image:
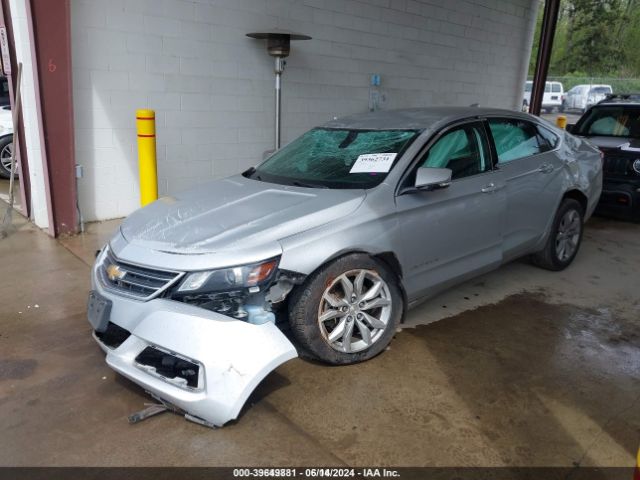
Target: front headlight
246	276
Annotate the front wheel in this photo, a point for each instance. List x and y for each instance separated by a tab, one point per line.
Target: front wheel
564	239
347	311
6	151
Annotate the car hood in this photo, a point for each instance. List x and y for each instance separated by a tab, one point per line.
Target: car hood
620	143
234	213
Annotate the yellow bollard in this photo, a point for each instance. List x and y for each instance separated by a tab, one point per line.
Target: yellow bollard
561	121
146	126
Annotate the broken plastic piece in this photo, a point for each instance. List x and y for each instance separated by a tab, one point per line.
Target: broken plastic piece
221	359
258	315
199	421
151	410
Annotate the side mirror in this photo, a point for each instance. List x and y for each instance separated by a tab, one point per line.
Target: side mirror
570	127
433	178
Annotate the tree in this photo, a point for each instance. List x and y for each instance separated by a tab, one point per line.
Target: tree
592	36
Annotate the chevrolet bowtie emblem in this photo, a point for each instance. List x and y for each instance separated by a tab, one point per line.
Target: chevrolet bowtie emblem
114	272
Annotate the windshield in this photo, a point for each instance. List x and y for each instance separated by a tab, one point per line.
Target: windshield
336	158
600	90
610	121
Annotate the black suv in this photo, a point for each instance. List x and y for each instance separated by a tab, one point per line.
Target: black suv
613	125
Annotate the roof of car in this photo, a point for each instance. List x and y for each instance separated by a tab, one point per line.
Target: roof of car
416	118
621	98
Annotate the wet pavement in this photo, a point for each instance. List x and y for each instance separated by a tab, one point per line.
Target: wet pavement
519	367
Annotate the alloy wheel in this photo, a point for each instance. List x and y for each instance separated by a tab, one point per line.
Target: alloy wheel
5	156
568	235
354	310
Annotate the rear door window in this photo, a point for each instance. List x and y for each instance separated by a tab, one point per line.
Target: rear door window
516	139
556	88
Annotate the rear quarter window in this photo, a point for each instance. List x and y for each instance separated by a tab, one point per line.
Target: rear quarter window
515	139
548	139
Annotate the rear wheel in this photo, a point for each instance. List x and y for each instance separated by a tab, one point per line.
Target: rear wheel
347	311
6	151
564	239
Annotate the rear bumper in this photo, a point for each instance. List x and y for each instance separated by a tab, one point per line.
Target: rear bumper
620	200
231	356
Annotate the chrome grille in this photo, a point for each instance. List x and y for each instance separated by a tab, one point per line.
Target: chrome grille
135	281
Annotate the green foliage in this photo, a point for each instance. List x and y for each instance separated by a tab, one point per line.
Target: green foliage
594	38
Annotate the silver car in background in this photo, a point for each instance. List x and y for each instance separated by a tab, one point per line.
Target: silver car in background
327	243
582	97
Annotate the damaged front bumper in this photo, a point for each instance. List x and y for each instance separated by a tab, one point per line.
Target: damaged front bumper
204	363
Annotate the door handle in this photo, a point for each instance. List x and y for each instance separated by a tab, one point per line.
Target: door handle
546	168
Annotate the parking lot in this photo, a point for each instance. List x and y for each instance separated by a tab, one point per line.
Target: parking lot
519	367
572	117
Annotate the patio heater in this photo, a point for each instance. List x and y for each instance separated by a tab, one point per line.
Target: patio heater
278	46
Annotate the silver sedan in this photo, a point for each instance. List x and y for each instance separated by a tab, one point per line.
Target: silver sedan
331	240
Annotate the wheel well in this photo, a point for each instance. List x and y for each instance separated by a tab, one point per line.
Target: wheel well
579	196
391	261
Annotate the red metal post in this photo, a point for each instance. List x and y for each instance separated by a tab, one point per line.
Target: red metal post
547	32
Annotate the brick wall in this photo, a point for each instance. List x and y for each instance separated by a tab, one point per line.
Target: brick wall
212	87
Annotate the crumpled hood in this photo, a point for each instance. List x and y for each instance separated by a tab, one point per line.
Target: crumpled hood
624	144
234	213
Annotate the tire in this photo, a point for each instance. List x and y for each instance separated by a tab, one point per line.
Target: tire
324	340
564	239
6	146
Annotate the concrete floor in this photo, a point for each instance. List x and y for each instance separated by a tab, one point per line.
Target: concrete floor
526	368
4	194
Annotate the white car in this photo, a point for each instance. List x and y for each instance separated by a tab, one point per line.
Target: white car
552	97
582	97
6	141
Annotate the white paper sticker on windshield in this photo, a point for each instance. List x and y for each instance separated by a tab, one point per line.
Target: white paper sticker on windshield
373	163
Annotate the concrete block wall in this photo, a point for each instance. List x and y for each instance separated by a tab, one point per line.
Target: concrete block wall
212	87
